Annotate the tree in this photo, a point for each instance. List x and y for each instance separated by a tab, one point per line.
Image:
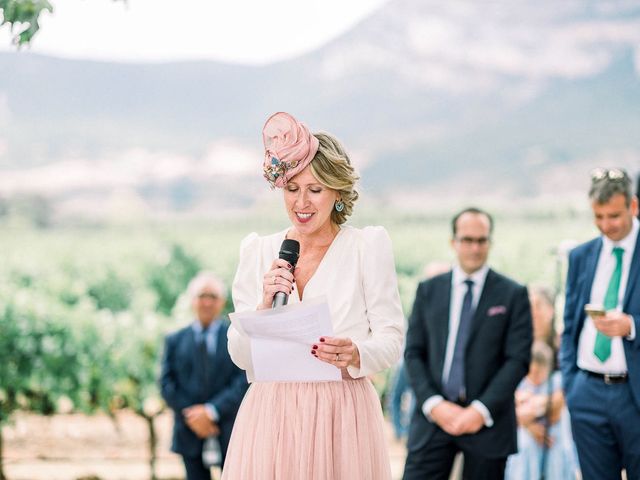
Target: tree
169	279
23	15
38	356
110	291
89	354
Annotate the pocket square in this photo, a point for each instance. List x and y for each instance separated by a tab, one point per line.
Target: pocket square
496	310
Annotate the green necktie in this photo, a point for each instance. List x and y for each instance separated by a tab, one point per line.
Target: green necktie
602	348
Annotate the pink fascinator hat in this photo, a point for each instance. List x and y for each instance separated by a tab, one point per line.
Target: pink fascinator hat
289	147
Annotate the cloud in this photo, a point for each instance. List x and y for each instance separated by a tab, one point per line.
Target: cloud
467	47
229	157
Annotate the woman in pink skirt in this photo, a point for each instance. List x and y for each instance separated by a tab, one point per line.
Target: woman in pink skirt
317	430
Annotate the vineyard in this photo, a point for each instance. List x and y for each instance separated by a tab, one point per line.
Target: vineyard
83	310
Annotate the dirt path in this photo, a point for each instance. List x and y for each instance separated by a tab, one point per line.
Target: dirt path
72	447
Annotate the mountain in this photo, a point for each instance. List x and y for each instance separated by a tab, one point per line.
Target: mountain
435	100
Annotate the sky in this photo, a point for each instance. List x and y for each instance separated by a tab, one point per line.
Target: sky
237	31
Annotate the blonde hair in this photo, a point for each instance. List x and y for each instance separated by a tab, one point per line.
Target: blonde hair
333	169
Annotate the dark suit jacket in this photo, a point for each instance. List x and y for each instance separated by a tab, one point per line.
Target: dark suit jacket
497	358
182	388
583	261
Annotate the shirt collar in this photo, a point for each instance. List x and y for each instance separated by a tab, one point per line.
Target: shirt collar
628	242
478	277
213	327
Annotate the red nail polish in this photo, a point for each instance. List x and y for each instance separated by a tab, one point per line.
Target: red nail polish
313	352
322	339
315	347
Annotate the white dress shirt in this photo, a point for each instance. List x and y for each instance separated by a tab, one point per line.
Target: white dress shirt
458	291
616	363
357	276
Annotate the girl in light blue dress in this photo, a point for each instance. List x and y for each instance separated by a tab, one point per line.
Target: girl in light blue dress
542	438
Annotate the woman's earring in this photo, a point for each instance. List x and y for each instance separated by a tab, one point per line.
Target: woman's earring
339	206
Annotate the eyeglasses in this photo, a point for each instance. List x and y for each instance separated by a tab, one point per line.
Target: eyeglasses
204	295
468	241
612	174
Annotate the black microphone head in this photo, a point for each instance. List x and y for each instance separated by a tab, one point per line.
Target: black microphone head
290	251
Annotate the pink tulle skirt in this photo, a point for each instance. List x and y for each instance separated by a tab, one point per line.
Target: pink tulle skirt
310	431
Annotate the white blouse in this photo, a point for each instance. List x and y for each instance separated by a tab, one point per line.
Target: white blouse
357	275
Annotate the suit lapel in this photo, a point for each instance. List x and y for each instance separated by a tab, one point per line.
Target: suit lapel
483	305
190	341
634	272
591	265
441	312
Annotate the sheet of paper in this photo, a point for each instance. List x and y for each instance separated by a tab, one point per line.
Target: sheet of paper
281	341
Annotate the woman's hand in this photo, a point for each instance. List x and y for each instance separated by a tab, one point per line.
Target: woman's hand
341	352
278	279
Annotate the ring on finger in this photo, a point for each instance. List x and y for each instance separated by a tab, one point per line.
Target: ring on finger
337	357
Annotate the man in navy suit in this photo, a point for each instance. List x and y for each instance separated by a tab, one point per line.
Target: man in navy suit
600	354
199	381
468	346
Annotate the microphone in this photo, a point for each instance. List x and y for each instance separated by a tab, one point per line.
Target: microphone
289	251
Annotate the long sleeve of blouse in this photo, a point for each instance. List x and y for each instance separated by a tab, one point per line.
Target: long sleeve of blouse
358	278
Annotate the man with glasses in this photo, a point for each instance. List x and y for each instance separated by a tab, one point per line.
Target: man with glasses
200	382
600	350
468	346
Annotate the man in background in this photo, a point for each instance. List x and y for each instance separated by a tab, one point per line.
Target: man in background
468	347
600	348
200	382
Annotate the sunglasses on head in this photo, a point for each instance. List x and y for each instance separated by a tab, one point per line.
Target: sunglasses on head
613	174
